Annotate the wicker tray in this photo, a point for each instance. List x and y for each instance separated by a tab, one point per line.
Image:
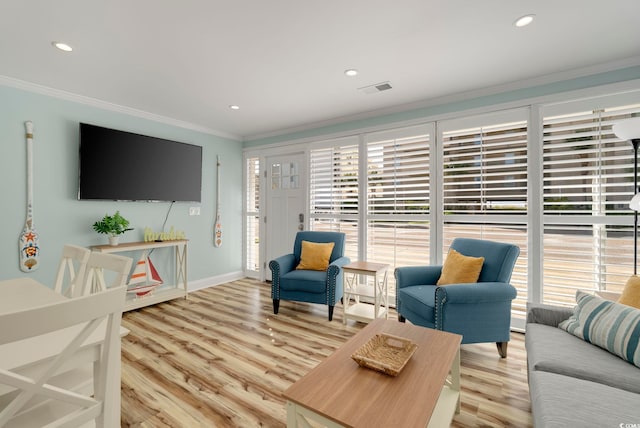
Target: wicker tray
385	353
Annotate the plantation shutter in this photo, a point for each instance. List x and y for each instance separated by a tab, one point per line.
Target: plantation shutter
252	215
588	182
333	190
485	169
397	205
484	185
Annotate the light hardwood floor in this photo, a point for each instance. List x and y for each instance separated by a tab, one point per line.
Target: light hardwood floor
222	359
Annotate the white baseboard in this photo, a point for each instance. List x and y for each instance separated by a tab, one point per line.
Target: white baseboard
212	281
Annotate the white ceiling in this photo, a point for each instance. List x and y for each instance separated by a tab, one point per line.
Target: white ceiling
282	61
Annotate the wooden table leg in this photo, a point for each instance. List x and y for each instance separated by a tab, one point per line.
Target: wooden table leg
455	377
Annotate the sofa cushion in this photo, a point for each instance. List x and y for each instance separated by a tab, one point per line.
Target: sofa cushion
419	299
631	292
562	401
612	326
460	269
551	349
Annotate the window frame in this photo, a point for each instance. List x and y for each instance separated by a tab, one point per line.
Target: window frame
535	106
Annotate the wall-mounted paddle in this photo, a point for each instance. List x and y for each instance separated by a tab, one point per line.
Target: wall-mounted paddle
217	232
28	242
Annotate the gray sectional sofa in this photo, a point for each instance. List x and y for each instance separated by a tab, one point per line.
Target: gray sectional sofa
573	383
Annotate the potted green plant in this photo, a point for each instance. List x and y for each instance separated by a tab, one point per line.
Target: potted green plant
112	225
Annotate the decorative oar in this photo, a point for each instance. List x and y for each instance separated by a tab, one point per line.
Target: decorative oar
217	232
28	242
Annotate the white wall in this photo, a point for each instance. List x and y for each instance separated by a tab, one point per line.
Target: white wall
60	218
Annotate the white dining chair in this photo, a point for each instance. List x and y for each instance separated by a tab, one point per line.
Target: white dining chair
102	271
73	322
105	271
71	270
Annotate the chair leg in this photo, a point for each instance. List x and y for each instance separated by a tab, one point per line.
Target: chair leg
276	305
502	349
331	313
401	318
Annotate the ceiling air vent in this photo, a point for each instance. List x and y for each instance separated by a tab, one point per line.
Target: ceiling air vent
378	87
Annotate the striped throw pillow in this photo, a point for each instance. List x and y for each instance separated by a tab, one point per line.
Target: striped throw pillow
609	325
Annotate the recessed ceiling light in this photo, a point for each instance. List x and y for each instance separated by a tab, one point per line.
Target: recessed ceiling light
525	20
234	107
62	46
351	72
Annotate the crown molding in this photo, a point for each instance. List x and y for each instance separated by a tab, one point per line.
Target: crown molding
104	105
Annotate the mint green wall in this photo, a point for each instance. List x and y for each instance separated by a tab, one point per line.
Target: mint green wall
621	75
60	218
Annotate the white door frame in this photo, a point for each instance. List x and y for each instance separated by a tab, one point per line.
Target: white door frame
268	158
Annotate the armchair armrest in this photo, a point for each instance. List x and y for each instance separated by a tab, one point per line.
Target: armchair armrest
417	275
282	265
334	267
340	262
334	279
477	292
547	314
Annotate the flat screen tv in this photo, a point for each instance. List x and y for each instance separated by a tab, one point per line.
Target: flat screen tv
118	165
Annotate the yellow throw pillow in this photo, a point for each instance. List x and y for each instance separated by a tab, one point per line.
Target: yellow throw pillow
460	269
631	292
315	255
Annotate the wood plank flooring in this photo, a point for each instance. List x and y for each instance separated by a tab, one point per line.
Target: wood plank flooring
221	358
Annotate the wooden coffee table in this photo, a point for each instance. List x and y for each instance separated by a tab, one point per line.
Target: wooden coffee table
338	392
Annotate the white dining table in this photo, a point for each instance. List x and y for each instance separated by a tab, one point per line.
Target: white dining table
28	355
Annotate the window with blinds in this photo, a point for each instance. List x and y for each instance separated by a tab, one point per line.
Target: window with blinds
484	184
383	189
252	215
588	182
333	190
485	169
397	203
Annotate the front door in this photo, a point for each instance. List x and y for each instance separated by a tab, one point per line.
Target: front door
286	190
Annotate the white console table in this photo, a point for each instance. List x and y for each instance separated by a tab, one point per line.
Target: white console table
167	291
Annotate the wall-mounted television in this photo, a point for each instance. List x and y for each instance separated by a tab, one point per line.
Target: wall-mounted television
118	165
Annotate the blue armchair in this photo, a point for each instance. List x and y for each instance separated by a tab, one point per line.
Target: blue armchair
480	312
323	287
